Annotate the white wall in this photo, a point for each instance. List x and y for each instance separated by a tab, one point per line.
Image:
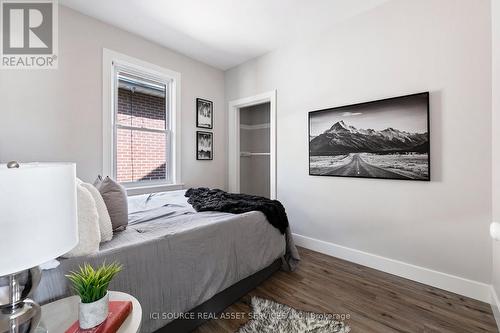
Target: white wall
402	47
55	115
496	138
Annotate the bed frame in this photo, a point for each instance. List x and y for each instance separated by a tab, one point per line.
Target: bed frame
220	301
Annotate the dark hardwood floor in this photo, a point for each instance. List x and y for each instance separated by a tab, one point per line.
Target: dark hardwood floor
375	301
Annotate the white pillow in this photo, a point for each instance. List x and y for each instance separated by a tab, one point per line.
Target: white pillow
89	235
104	220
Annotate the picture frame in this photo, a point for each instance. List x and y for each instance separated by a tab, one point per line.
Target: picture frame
383	139
204	113
204	146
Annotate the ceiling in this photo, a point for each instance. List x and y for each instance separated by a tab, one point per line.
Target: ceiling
222	33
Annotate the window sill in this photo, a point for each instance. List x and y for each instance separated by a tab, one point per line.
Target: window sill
145	189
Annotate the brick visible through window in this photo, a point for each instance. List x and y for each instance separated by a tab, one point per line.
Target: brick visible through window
141	136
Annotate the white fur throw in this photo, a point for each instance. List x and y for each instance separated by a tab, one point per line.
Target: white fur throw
89	235
104	220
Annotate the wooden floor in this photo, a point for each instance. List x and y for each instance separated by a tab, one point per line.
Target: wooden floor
375	301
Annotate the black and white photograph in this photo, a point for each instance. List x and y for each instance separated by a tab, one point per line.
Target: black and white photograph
381	139
204	145
204	113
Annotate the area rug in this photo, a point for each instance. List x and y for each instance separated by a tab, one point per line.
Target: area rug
271	317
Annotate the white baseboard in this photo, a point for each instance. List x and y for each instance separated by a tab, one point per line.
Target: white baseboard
495	306
473	289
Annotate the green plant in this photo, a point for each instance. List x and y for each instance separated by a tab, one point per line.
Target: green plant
92	284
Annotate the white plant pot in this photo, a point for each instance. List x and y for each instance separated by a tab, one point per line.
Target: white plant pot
93	314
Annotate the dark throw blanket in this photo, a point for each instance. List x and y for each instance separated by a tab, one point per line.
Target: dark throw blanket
203	199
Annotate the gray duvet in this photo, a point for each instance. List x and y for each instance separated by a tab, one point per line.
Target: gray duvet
175	258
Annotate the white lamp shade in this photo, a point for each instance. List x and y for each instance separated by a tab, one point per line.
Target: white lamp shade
38	217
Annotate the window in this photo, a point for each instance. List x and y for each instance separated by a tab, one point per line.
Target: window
141	129
140	122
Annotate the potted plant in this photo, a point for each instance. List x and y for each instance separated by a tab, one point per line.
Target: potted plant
92	287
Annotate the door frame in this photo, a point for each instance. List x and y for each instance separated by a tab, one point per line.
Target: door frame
234	138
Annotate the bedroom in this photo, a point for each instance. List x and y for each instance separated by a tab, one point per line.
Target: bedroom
383	254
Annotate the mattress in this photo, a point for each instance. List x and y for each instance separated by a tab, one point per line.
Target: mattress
175	258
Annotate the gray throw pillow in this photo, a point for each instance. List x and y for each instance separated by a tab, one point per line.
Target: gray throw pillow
115	198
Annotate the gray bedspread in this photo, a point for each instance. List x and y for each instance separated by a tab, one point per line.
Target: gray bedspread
175	258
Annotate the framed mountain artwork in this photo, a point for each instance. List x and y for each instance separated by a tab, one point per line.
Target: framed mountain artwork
386	139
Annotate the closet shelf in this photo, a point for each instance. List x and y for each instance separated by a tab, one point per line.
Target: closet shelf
255	127
250	154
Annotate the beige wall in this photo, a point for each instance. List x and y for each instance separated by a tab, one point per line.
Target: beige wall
496	138
401	47
55	115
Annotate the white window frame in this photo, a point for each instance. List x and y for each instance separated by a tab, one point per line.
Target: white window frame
111	62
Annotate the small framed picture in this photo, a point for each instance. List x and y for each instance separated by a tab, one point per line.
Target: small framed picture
204	145
204	113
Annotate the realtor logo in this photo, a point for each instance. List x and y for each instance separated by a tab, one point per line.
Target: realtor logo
29	34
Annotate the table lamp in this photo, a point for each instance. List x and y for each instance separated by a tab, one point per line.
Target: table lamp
38	222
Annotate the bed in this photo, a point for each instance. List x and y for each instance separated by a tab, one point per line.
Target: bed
176	259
